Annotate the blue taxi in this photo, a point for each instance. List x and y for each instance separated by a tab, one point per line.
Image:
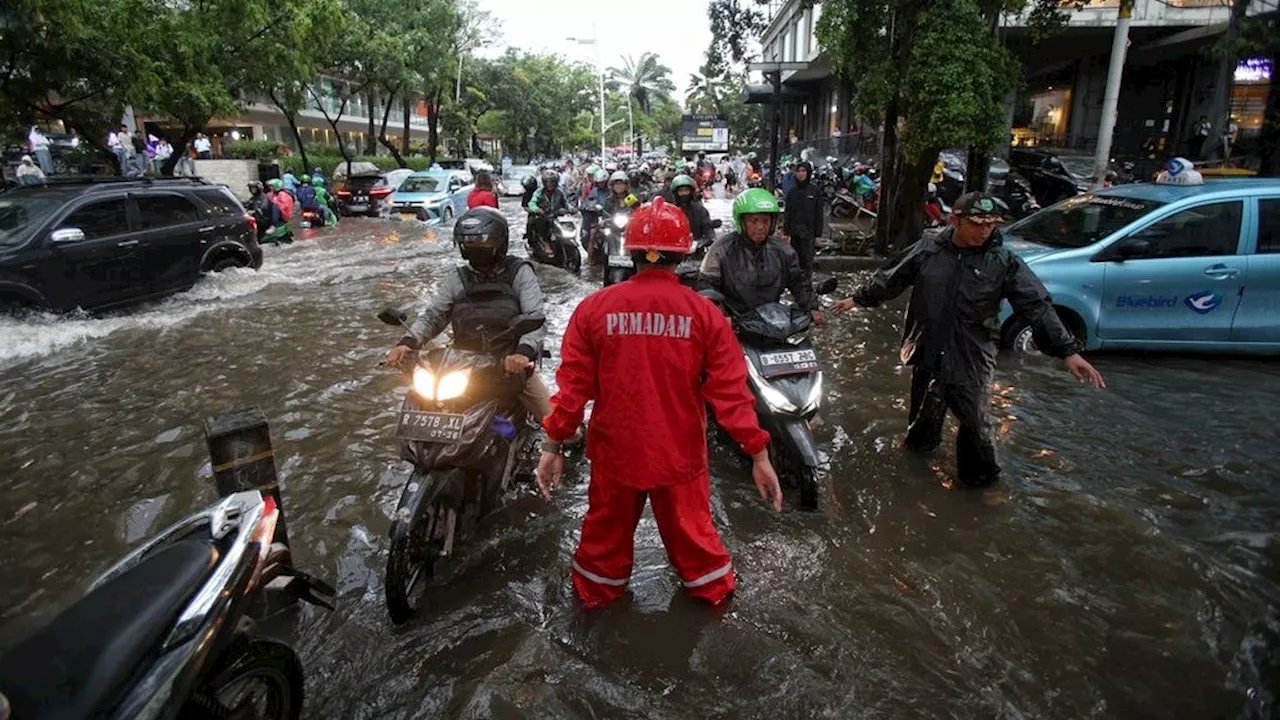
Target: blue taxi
1159	267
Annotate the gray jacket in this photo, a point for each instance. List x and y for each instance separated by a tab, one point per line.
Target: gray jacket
952	325
439	311
750	276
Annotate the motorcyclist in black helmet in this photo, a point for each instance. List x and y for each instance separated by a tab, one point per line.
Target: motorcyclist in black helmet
547	202
530	185
481	299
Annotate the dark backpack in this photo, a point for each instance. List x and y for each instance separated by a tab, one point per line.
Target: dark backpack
307	197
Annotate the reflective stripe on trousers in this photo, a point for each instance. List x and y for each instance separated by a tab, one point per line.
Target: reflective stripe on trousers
710	577
604	580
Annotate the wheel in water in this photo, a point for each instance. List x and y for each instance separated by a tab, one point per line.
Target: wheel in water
263	680
411	557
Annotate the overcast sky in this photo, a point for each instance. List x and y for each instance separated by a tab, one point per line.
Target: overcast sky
677	30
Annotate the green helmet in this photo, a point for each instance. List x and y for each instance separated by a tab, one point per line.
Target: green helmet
682	180
591	170
317	181
305	179
275	184
753	202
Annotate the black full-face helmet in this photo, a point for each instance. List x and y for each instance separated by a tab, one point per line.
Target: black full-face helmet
530	182
550	181
482	237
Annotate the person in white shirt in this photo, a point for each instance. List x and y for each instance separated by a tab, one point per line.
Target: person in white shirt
40	148
120	144
204	149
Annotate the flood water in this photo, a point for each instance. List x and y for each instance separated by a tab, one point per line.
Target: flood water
1128	565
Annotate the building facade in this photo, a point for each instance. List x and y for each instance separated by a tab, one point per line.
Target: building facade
1168	81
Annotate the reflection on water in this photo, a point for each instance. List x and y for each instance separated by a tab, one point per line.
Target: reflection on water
1126	567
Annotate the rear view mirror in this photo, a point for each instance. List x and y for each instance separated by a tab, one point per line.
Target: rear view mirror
825	286
392	316
716	224
67	235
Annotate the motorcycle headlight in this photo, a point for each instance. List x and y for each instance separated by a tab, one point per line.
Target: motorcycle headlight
452	385
773	397
424	383
620	220
815	394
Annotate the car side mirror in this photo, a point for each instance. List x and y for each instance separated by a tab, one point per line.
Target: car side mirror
63	236
826	286
1132	247
716	224
393	316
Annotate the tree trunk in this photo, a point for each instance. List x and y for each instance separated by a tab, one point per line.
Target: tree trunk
906	215
291	118
977	166
433	124
382	131
1269	137
333	123
404	139
1220	109
889	154
371	138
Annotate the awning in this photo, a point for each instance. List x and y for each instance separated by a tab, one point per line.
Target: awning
763	95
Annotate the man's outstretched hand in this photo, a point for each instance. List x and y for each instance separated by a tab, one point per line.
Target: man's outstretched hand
843	306
1083	371
766	480
396	357
550	469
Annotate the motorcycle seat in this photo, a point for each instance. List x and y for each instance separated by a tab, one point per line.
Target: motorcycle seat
81	664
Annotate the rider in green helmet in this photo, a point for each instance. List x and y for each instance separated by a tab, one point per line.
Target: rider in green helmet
751	267
323	202
683	193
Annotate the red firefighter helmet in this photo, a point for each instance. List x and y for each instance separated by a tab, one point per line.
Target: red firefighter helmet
658	227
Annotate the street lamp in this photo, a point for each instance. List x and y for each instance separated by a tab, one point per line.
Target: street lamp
595	40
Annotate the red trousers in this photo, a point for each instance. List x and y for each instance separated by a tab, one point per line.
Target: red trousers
603	560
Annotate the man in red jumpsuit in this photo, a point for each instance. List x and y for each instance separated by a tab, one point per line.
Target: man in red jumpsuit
651	353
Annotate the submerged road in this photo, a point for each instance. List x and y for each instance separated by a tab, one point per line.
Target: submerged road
1128	565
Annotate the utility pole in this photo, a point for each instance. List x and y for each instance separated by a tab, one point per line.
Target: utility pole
1111	98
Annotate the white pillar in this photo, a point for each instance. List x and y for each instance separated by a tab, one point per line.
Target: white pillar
1111	98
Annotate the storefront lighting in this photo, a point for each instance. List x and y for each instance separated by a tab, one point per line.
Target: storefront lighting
1253	70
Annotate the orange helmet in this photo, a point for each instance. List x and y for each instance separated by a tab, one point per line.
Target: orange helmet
658	228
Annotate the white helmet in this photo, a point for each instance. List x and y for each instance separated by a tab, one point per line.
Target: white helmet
618	176
600	175
1180	171
611	166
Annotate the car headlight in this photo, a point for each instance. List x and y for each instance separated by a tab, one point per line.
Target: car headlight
424	383
620	220
452	385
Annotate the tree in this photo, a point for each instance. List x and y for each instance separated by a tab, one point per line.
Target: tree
735	28
644	79
705	92
535	101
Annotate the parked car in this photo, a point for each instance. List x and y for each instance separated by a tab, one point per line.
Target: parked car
433	196
513	178
1160	267
367	194
95	244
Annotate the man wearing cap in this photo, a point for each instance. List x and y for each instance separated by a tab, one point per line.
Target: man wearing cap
951	335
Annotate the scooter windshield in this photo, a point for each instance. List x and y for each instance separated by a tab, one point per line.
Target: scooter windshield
772	323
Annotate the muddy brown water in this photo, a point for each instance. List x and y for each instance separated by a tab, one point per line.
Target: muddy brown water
1126	567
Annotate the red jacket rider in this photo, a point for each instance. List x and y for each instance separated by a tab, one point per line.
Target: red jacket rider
651	353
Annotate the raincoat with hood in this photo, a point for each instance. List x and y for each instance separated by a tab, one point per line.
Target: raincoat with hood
803	218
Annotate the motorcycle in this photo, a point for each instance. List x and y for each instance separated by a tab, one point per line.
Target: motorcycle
558	242
165	632
618	263
311	218
465	432
706	178
281	234
786	380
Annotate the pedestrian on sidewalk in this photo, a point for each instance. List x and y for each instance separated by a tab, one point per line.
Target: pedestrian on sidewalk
802	220
40	149
1199	135
139	158
163	152
29	174
204	149
119	145
958	278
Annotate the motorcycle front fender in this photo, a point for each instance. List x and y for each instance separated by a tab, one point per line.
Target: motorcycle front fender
798	438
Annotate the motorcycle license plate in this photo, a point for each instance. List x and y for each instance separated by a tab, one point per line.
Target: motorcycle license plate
626	262
429	426
789	362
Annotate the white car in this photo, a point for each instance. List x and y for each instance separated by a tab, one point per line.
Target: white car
512	180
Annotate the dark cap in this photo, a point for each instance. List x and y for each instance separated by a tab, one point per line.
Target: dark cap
980	208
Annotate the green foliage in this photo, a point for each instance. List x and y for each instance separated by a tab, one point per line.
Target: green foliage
535	101
954	94
645	79
260	150
735	27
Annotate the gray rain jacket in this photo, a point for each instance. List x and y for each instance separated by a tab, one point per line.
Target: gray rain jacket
750	276
952	326
452	292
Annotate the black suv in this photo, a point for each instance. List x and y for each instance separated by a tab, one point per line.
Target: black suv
99	243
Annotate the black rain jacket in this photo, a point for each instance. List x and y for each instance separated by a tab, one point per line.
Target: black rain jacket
750	276
952	326
804	212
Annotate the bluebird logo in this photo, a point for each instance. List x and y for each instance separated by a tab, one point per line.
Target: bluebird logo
1203	302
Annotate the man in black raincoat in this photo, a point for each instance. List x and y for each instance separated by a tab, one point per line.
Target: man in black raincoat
952	330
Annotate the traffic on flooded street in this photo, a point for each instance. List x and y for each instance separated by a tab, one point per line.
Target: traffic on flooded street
1125	563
